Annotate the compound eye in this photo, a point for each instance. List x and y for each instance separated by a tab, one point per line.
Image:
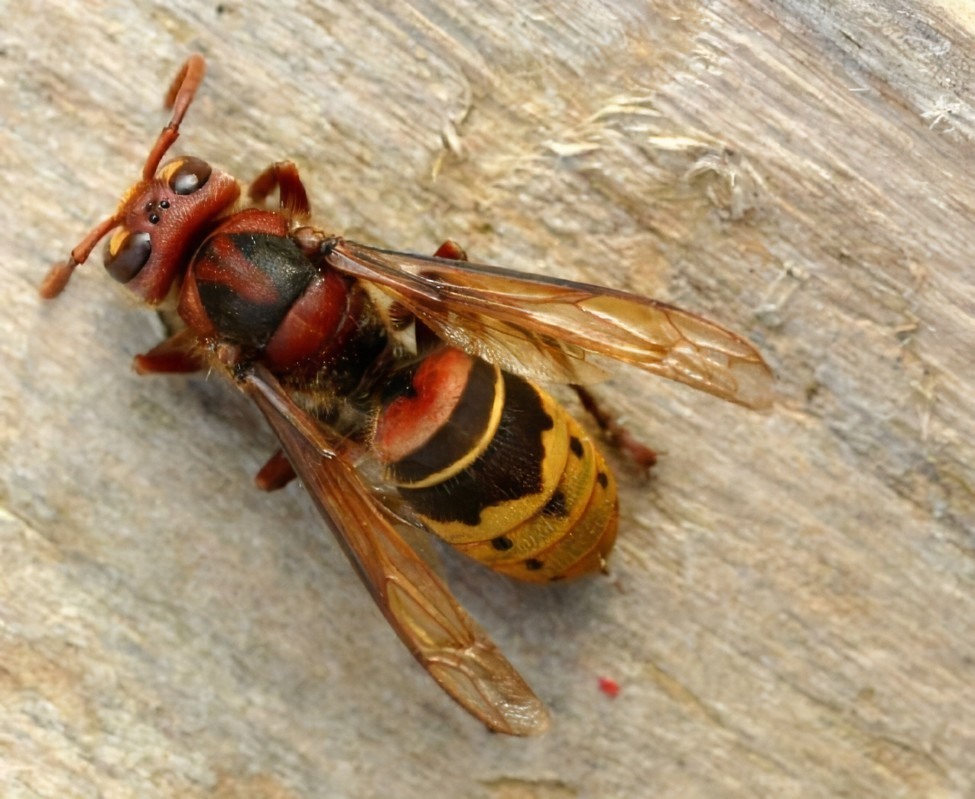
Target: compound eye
191	175
126	260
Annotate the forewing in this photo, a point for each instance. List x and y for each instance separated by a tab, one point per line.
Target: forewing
544	327
416	602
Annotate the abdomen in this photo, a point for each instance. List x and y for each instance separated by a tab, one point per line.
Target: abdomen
498	469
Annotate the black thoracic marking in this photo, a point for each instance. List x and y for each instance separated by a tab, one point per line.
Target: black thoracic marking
603	479
274	257
576	446
556	505
237	319
510	468
502	543
533	564
458	435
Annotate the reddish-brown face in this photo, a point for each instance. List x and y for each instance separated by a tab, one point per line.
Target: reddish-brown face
162	221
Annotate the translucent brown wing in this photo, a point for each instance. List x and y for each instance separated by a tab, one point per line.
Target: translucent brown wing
544	327
415	601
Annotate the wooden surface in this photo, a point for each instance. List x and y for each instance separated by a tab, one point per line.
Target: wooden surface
790	611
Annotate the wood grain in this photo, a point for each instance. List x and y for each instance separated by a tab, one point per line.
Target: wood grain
791	606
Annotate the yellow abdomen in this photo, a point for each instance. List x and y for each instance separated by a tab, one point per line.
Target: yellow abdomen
499	470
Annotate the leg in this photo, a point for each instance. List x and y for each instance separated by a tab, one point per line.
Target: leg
178	354
275	474
616	434
451	250
284	177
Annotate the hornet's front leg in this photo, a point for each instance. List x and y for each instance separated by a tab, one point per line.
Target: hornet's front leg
178	354
284	177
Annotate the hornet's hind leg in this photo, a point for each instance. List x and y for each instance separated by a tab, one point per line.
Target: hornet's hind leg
616	434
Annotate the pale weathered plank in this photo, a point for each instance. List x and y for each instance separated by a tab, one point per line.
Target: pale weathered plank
791	606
